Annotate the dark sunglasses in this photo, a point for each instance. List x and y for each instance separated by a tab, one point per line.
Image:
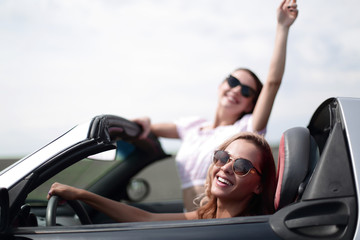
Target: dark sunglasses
246	91
240	166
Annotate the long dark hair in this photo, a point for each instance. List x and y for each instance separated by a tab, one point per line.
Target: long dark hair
260	204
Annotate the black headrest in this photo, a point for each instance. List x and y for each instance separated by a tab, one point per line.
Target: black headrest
298	154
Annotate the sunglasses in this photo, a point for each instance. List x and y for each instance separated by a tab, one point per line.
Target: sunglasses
246	91
240	166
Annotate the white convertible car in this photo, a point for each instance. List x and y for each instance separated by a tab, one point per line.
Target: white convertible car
317	194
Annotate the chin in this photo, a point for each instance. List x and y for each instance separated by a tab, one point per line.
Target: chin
218	193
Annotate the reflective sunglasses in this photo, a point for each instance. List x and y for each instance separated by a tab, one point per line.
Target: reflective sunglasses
246	91
240	166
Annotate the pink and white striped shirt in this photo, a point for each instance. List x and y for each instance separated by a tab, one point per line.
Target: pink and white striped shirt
195	153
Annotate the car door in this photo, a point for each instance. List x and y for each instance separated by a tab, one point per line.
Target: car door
327	208
232	228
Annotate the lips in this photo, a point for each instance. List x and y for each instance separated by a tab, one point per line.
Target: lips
231	98
224	181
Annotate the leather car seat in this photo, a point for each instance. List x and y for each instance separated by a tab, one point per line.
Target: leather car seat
298	155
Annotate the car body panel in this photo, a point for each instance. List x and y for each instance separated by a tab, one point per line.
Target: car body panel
236	228
327	206
351	109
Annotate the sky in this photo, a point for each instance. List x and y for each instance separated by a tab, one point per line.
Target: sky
63	62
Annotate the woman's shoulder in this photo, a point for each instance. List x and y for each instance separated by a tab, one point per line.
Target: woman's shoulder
245	124
190	121
246	119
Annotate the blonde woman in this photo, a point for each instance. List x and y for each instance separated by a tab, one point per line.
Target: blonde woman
241	183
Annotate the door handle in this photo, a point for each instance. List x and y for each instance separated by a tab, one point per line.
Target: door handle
322	220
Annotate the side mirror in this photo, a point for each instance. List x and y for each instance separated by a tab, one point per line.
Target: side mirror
137	190
4	209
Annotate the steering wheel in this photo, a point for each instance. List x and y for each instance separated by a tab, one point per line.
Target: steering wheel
74	204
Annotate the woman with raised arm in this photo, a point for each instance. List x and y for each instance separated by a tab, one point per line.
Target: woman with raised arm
241	183
243	105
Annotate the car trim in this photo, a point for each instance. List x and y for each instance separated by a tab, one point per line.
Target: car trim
348	105
19	170
140	225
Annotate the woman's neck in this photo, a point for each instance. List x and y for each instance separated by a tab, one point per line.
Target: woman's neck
224	118
228	209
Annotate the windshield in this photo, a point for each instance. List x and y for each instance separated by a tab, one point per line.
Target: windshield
82	174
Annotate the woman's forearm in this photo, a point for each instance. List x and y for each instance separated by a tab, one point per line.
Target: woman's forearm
166	130
121	212
267	96
116	210
278	59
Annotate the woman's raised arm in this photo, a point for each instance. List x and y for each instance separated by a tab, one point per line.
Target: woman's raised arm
286	15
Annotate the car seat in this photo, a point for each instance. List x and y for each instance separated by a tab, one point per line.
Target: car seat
298	155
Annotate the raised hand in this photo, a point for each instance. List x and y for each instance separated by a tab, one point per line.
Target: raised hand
287	13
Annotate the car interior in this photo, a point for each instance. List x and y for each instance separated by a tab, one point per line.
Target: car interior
298	155
308	160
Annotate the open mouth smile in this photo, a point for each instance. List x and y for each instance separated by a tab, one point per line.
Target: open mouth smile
224	181
231	98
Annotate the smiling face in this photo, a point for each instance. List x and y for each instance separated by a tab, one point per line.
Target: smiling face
226	185
231	99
